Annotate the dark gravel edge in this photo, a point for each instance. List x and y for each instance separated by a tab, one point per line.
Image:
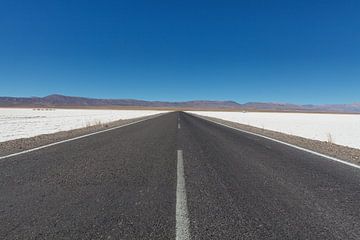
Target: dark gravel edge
22	144
344	153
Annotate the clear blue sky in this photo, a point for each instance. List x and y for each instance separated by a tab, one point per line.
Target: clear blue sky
281	51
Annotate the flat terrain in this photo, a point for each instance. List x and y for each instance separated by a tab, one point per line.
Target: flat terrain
16	123
331	149
177	176
341	129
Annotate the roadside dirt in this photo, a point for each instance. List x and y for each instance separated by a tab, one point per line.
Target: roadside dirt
22	144
348	154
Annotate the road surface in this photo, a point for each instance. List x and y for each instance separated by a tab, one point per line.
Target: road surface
177	177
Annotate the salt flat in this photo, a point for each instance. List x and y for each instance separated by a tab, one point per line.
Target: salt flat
342	129
18	123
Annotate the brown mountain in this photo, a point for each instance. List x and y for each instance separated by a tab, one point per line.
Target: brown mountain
56	100
67	101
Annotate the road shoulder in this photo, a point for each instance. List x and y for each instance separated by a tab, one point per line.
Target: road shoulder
24	144
344	153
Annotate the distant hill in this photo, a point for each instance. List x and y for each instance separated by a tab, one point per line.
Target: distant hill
57	100
341	108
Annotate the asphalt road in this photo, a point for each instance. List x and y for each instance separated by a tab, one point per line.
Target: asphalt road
177	177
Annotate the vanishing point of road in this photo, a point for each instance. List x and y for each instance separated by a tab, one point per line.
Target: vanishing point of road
177	176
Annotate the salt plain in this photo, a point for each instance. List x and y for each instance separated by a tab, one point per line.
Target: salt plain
342	129
18	123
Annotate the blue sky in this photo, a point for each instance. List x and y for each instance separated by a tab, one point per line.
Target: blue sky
278	51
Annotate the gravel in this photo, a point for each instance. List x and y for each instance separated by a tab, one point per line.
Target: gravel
342	152
348	154
22	144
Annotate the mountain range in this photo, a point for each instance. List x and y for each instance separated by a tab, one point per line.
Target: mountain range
57	100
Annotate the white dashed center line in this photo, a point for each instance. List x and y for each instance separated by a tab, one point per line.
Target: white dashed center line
182	219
